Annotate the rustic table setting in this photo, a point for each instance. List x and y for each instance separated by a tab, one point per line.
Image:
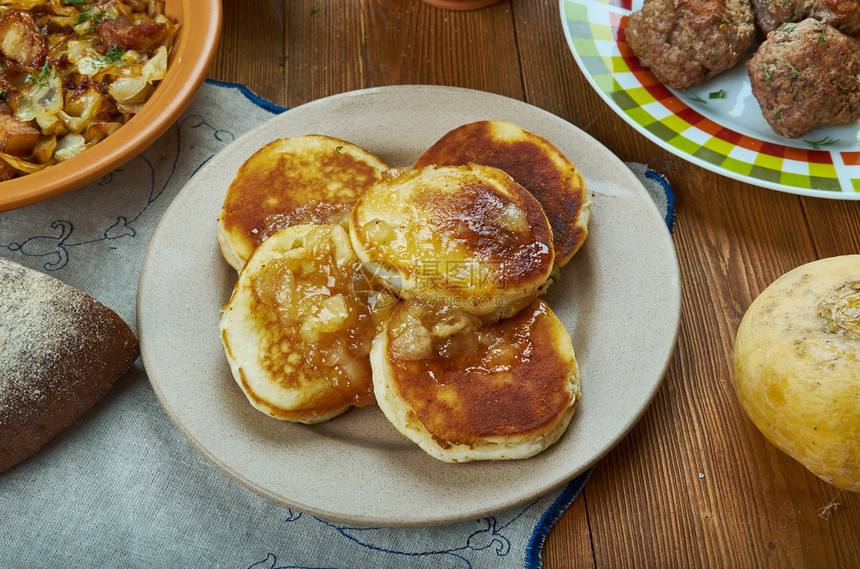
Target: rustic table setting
694	483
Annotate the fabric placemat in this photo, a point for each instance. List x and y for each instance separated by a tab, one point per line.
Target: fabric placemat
122	487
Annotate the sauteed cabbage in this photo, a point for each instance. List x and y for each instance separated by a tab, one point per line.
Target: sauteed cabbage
72	72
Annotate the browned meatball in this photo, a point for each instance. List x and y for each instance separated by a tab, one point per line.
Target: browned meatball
686	42
841	14
805	76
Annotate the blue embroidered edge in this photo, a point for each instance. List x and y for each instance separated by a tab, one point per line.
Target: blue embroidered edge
670	197
547	521
250	95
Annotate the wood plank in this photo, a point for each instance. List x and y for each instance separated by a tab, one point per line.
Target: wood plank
569	543
251	50
752	506
833	226
377	43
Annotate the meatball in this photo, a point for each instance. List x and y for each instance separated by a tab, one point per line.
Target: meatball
841	14
805	76
686	42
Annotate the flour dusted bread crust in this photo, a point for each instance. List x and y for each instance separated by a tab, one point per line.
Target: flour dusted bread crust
61	351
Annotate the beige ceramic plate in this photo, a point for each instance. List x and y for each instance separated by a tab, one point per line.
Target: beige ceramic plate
200	22
619	298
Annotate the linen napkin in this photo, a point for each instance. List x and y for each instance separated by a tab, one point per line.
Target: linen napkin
122	487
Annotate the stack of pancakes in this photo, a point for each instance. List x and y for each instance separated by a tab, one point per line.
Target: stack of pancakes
416	288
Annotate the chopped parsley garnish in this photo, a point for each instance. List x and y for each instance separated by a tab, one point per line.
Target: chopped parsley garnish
95	17
794	71
817	144
41	79
112	56
821	34
767	74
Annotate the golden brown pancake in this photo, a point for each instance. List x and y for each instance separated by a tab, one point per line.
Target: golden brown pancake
469	236
464	392
535	163
292	181
295	331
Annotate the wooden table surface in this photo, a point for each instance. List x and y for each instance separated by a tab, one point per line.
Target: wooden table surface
694	484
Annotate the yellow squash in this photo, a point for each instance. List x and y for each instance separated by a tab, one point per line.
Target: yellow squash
797	367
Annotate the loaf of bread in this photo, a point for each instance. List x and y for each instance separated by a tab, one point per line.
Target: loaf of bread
61	351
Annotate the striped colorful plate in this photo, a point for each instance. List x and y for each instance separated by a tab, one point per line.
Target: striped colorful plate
717	125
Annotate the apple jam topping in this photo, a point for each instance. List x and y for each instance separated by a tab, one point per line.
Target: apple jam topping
421	330
317	305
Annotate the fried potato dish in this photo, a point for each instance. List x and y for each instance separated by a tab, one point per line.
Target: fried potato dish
72	73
